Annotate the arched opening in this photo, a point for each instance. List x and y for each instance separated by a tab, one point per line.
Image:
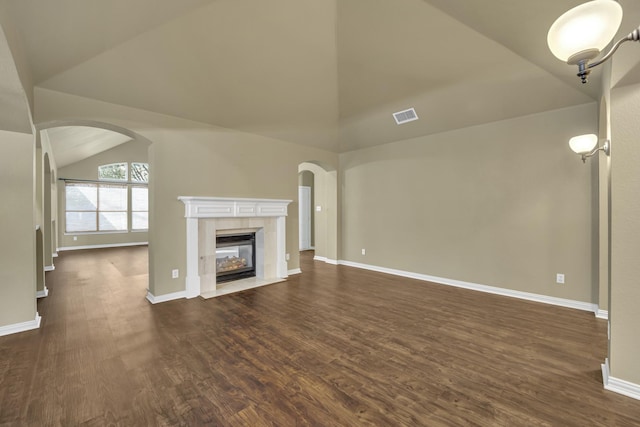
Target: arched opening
322	204
72	152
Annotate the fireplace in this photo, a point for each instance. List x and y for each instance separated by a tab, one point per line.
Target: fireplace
235	257
210	217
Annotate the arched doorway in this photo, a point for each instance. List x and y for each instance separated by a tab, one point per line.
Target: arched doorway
53	220
324	211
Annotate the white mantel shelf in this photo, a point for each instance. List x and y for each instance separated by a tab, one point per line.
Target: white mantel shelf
224	207
201	208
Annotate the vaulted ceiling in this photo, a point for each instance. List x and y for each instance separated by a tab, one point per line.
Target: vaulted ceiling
326	73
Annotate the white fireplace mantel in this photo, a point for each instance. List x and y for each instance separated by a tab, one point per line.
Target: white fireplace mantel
197	208
223	207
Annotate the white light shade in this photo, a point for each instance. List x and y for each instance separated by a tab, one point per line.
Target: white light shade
585	29
583	144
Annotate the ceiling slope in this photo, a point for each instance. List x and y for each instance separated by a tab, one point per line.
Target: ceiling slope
71	144
62	33
325	73
263	67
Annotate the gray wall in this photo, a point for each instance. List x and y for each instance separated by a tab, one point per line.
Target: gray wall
625	234
193	159
18	251
504	204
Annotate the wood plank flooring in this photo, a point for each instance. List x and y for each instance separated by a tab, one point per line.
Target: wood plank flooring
334	346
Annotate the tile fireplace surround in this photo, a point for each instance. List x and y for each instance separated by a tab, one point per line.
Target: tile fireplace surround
208	217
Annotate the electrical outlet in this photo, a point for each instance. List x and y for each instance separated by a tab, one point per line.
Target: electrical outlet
559	278
364	251
75	238
318	208
175	273
287	257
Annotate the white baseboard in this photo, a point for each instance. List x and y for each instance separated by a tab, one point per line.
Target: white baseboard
294	271
327	260
112	245
166	297
49	267
579	305
602	314
43	293
617	385
55	254
21	327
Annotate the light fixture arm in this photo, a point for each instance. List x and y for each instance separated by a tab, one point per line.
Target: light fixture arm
606	148
584	67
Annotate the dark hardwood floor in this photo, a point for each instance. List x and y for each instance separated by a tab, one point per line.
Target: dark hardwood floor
334	346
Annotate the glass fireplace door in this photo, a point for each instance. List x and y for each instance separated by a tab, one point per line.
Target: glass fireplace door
235	257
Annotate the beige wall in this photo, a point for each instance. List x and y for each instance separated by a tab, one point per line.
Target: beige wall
625	234
134	151
18	251
504	204
192	159
306	179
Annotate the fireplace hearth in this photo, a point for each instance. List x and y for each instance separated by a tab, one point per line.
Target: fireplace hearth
235	257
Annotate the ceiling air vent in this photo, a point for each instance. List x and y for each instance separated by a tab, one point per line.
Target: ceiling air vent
405	116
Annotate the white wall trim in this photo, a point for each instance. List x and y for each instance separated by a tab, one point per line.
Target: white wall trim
328	260
617	385
294	271
43	293
166	297
111	245
21	327
579	305
49	267
602	314
55	254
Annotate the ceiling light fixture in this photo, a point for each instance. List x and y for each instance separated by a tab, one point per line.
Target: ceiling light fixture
580	34
585	145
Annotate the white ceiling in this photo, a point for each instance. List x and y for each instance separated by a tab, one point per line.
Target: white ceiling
71	144
326	73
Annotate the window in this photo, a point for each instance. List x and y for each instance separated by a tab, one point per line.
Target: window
139	207
112	207
82	206
111	203
113	172
139	196
96	207
140	172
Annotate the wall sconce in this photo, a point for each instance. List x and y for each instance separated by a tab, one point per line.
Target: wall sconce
585	145
580	34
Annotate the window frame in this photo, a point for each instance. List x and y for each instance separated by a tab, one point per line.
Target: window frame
97	211
101	181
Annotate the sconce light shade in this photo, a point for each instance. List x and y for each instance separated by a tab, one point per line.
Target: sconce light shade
583	144
582	32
